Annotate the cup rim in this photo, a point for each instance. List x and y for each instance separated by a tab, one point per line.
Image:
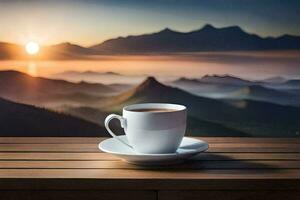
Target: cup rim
176	107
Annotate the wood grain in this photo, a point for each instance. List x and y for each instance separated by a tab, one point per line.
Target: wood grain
152	173
55	156
93	148
104	156
78	195
148	184
96	140
228	195
191	165
74	168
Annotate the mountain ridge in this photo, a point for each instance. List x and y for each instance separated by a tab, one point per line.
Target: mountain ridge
21	87
225	79
207	38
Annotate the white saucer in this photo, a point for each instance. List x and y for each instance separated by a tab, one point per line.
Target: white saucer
188	148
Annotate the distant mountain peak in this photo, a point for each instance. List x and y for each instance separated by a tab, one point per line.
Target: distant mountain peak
275	79
150	81
10	73
64	44
167	30
112	73
184	79
225	79
149	84
70	48
222	76
68	44
149	89
90	72
233	28
208	27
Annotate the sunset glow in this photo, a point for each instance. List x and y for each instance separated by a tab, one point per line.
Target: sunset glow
32	48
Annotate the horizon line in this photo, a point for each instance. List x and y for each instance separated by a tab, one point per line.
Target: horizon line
153	32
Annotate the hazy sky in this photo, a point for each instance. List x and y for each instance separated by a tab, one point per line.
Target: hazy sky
89	22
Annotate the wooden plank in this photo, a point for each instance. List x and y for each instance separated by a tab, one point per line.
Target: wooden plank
148	184
56	156
253	150
218	147
200	165
245	156
106	156
96	140
256	140
255	145
76	163
51	140
229	195
78	195
242	164
151	174
49	148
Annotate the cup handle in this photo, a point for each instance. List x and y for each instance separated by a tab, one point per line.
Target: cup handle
122	122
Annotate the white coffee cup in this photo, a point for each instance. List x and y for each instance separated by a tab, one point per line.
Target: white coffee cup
158	130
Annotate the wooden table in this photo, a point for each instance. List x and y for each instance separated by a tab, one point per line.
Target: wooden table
73	168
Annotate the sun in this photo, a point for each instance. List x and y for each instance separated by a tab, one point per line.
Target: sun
32	47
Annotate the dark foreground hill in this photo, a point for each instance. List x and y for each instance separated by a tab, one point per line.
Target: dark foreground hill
24	120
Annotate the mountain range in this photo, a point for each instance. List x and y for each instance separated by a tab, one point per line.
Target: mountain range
225	79
260	93
249	110
207	38
87	73
110	78
251	117
274	89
